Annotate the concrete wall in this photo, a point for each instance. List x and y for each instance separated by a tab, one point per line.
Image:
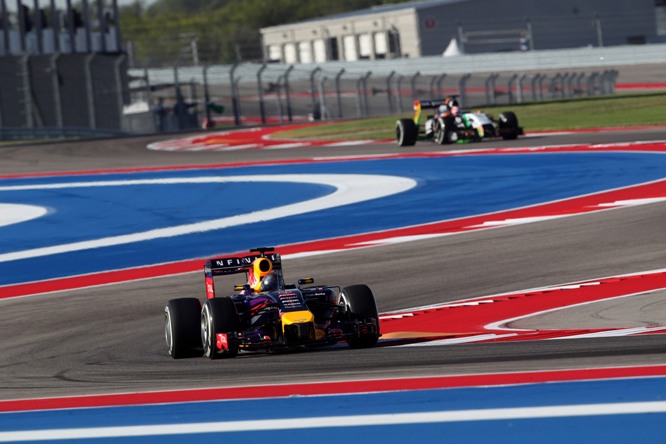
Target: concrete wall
67	91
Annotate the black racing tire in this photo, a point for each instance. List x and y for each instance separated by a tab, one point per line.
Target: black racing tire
442	131
406	132
182	328
361	306
219	316
508	123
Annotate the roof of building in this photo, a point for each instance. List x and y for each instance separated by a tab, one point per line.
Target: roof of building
380	9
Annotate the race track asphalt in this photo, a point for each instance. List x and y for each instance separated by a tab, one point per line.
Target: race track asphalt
110	339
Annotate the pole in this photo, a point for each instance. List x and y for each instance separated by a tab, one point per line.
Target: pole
90	92
234	95
119	87
55	84
207	96
312	89
287	93
27	92
260	91
337	91
600	35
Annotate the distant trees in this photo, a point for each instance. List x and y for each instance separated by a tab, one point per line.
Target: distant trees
216	31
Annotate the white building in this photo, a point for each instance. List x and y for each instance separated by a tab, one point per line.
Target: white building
426	28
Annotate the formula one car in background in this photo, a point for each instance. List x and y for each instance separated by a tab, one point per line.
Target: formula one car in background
449	124
266	314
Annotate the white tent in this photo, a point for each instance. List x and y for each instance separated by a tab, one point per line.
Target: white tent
453	49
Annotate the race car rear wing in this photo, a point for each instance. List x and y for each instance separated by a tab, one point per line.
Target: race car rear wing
237	264
431	104
234	265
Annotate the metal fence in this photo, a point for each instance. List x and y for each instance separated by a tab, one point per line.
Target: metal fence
253	93
96	92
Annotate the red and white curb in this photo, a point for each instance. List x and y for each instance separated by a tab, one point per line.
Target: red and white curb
486	319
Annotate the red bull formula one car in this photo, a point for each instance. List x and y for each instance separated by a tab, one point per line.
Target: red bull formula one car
449	124
266	314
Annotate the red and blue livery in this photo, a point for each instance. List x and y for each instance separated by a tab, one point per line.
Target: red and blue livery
266	314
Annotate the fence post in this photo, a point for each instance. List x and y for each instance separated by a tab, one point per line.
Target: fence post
234	95
119	86
366	105
510	86
337	91
322	98
591	84
55	84
359	104
400	78
389	94
204	74
90	91
541	80
176	80
521	85
579	83
287	93
490	88
312	89
278	93
27	94
260	90
413	84
534	82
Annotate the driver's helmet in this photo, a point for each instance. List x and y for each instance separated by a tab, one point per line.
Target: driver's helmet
455	110
270	282
443	109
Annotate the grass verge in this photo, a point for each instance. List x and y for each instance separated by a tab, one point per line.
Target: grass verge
624	110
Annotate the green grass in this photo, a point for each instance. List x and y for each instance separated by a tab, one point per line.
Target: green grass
595	112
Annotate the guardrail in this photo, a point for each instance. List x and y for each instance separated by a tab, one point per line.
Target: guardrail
16	134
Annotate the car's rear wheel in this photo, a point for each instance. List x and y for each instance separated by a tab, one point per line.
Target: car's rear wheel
362	308
182	327
406	132
219	316
508	123
442	131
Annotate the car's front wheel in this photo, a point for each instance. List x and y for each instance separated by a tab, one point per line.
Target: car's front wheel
362	309
219	316
181	327
508	123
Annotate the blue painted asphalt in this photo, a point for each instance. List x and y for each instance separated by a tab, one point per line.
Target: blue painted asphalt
448	187
603	428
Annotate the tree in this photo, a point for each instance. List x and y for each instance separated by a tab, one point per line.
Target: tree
225	31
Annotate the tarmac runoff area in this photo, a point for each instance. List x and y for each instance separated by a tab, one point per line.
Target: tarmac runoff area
642	310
